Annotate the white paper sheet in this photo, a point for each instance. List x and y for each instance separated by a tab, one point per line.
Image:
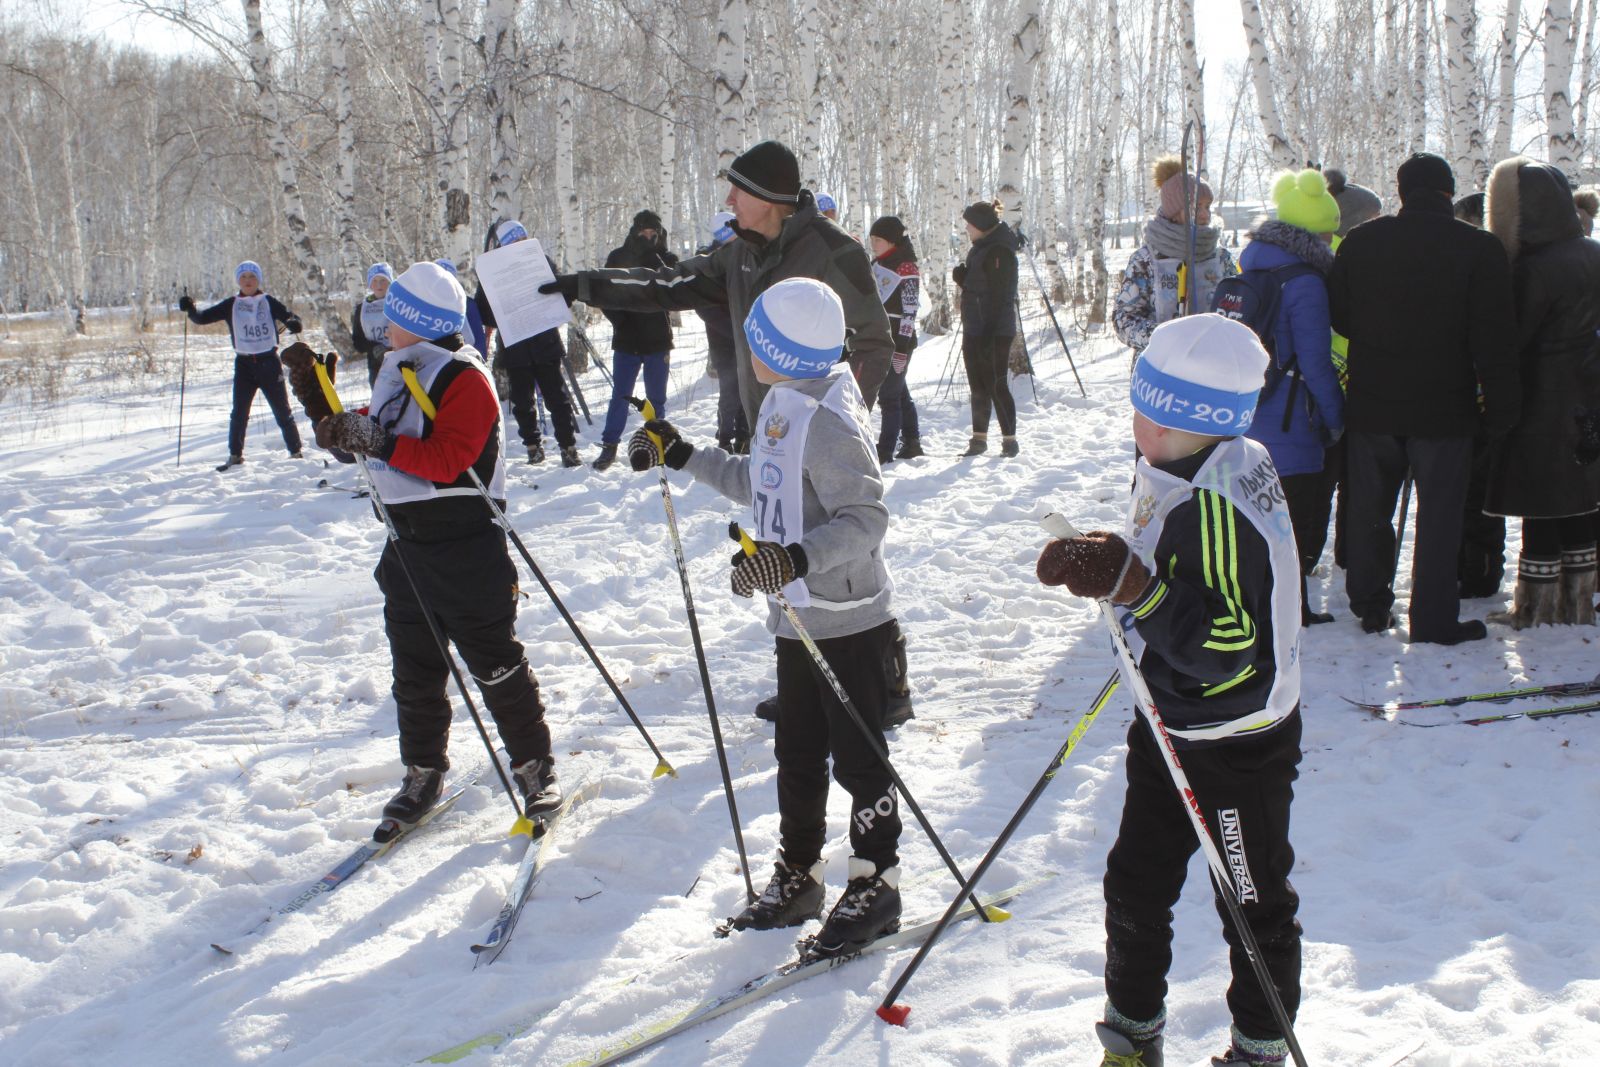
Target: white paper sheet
511	276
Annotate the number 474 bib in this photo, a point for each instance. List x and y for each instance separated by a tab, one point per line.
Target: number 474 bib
777	475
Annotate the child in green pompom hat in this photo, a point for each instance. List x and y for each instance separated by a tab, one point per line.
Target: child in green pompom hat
1303	200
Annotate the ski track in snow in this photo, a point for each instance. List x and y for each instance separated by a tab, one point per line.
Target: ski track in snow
195	663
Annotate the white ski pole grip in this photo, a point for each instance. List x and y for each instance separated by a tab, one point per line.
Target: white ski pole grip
1058	525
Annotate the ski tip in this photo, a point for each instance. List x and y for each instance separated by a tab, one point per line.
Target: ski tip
996	914
664	768
523	827
222	949
894	1014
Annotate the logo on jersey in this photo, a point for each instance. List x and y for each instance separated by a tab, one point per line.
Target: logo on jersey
1144	509
1233	847
771	476
777	428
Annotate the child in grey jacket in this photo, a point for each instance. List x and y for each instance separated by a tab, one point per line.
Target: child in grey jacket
816	491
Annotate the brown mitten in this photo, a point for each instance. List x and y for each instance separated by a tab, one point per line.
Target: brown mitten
300	360
1099	564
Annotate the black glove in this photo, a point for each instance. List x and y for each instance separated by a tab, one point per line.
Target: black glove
771	568
360	434
642	454
186	304
292	324
1588	449
565	284
959	273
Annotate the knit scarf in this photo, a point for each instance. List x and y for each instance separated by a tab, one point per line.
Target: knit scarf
1170	240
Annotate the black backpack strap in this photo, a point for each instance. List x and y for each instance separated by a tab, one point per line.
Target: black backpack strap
1283	276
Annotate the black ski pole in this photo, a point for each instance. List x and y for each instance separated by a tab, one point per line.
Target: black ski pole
522	825
1027	358
649	412
662	766
1057	526
1043	295
594	357
889	1011
183	379
947	379
572	380
876	745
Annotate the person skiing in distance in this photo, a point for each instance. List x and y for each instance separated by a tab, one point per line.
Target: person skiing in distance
988	283
368	328
534	361
1206	579
894	256
781	235
733	429
1148	295
1534	471
1301	410
827	207
253	317
813	482
475	333
640	340
421	467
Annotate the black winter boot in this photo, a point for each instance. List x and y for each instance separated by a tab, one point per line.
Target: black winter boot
608	456
536	453
1009	446
419	792
792	897
868	909
570	457
232	461
537	780
910	448
767	710
1124	1051
977	446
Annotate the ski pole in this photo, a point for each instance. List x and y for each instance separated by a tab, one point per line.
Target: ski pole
648	410
889	1011
572	379
504	521
594	357
987	914
948	375
522	825
1027	357
1058	526
1400	532
183	379
1050	307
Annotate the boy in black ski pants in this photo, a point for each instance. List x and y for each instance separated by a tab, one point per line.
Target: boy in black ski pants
813	481
253	318
1207	574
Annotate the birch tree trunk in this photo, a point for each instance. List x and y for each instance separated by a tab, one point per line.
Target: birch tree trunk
1108	137
294	214
501	57
1460	31
78	274
1194	89
666	171
1419	75
1586	68
150	195
1019	113
1507	109
1046	232
1278	147
729	85
1558	85
344	181
951	132
811	87
447	98
566	181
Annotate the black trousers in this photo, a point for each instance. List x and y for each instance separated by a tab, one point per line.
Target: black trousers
1440	468
1548	538
988	377
898	412
1310	500
1481	562
470	586
262	372
813	725
546	374
1245	789
731	423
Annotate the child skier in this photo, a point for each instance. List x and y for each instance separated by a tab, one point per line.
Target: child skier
812	477
1207	575
252	317
368	327
421	466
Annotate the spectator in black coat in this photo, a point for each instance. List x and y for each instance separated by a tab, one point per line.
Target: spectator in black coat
988	281
1426	303
640	340
733	430
1534	472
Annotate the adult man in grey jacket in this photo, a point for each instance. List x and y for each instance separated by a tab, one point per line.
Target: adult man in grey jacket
780	235
816	493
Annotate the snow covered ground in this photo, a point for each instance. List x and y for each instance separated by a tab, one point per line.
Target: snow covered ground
195	722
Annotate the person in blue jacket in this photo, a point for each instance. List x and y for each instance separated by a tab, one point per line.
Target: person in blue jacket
1301	410
253	319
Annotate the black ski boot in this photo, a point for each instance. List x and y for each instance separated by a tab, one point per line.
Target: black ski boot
570	457
794	896
608	456
1124	1051
1009	447
537	780
910	448
536	453
898	710
868	909
419	792
232	461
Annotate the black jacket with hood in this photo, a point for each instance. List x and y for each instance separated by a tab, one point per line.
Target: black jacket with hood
1555	272
989	285
640	333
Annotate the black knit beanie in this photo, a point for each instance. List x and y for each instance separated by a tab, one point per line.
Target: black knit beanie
982	215
768	171
646	220
1424	170
890	228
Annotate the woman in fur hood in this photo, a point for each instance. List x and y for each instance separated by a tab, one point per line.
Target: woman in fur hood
1301	409
1538	472
1149	293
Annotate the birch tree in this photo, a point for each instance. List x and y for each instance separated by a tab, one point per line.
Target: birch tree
950	133
1460	28
1194	89
1019	111
566	184
345	156
1507	105
1278	147
1107	138
1558	85
501	57
730	82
